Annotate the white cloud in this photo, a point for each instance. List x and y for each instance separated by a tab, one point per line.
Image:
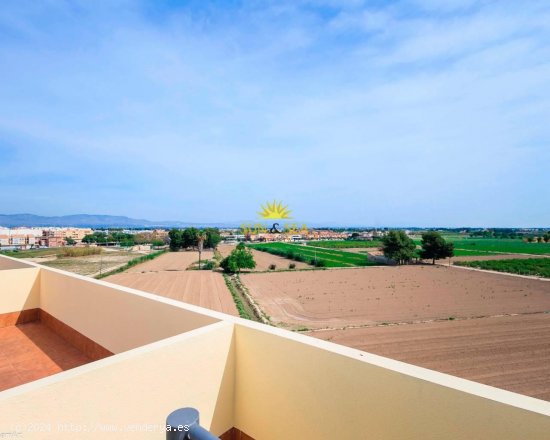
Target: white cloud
353	106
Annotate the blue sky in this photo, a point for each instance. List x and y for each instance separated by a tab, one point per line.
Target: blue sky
414	112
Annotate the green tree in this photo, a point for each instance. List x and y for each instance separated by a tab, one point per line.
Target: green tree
435	247
176	239
190	237
70	241
398	246
213	238
240	258
546	237
96	237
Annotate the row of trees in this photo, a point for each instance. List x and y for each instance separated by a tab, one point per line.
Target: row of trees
101	237
122	238
539	239
194	238
398	246
511	233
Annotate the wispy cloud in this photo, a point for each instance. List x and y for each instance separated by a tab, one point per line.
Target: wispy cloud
406	112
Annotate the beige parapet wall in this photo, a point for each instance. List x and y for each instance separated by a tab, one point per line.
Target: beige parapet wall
291	386
129	396
268	382
19	289
115	317
11	263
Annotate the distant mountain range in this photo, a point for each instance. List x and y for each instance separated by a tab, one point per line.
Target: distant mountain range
92	221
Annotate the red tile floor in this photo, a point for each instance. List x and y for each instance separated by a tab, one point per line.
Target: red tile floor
32	351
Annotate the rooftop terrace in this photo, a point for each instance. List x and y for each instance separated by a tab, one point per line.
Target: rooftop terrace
138	356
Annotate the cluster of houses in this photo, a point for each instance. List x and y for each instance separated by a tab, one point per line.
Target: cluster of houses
28	238
293	236
44	237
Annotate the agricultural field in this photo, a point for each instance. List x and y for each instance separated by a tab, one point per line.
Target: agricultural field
316	256
345	244
376	295
526	266
502	245
167	276
472	253
84	261
32	253
171	261
509	352
264	260
481	326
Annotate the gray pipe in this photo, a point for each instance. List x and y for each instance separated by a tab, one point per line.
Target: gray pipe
183	424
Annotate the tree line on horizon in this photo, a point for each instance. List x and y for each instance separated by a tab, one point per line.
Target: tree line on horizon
399	247
122	238
194	238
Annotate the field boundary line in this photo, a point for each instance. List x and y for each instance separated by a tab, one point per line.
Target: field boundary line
529	277
423	321
500	253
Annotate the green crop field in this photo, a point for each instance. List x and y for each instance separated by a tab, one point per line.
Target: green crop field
488	246
345	244
506	245
32	253
470	253
319	257
529	266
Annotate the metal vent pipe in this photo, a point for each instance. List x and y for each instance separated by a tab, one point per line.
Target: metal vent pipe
183	424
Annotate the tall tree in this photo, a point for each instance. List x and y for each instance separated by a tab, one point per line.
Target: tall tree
201	237
398	246
213	238
176	239
435	247
190	237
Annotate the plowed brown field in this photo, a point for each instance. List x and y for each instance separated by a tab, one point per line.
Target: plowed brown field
166	276
338	298
510	352
171	261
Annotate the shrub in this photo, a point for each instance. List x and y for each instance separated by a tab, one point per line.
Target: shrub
272	266
209	265
292	266
321	263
